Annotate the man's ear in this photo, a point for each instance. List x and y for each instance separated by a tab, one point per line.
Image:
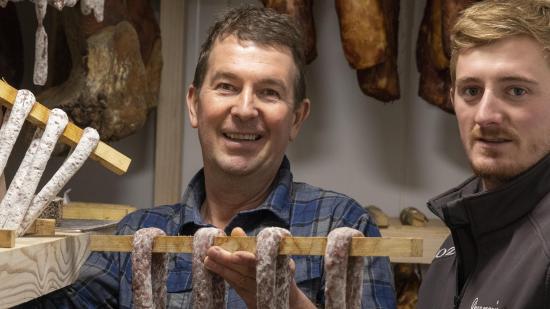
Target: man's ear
300	114
193	105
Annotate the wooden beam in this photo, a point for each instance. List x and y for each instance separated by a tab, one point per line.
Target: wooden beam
170	112
360	246
96	211
7	238
104	154
41	227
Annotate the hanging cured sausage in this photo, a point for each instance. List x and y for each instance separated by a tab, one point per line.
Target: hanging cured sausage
149	270
208	288
344	273
85	146
273	275
21	190
302	12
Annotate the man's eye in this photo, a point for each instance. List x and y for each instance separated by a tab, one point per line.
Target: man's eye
470	91
225	87
270	93
516	91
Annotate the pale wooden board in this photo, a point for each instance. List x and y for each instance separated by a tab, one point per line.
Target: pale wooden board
96	211
361	246
107	156
40	265
170	112
433	234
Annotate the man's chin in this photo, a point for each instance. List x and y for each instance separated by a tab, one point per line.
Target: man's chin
501	171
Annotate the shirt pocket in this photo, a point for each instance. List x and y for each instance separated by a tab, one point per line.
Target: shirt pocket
308	275
179	274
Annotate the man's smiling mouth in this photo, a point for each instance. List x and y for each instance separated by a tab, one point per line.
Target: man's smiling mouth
242	136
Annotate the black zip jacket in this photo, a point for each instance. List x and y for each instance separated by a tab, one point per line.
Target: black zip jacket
498	253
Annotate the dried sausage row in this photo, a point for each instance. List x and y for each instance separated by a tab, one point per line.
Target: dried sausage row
21	190
85	146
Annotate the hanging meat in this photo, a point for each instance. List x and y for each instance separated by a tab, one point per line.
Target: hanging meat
382	80
344	273
116	64
433	50
273	274
208	287
11	45
149	270
450	11
302	12
432	63
407	284
362	31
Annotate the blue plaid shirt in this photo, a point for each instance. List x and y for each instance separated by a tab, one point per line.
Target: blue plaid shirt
105	279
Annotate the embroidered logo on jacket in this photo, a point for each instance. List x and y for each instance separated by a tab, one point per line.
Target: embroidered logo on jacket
475	306
445	252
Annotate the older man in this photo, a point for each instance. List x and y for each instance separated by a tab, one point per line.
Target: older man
498	254
248	102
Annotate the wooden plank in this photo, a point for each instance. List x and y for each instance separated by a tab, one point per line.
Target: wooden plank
104	154
96	211
433	234
42	227
40	265
361	246
7	238
170	112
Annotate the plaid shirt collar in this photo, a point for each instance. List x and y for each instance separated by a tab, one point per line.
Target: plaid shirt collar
277	204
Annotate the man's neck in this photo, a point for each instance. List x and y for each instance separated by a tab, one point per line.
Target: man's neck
226	196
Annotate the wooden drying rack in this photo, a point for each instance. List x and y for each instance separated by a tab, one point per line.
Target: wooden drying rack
107	156
360	246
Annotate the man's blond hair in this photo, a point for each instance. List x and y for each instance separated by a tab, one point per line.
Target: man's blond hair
488	21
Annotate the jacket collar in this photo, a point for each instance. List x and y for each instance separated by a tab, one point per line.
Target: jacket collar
491	210
276	205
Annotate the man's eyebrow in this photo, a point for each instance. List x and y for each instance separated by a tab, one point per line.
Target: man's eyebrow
509	78
274	82
223	75
468	79
518	78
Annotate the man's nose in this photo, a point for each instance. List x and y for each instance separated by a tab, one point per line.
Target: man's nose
489	110
245	107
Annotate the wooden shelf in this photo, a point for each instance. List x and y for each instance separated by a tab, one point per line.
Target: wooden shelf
39	265
433	234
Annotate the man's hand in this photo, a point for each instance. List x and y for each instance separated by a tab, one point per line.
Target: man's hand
239	270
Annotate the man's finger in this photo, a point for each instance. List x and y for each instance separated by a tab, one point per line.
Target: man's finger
232	276
240	261
238	232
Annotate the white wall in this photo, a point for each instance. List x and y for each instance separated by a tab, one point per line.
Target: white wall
391	155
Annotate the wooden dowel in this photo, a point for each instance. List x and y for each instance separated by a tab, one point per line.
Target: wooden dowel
104	154
360	246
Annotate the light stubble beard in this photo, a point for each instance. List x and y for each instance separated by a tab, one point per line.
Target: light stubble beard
511	167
